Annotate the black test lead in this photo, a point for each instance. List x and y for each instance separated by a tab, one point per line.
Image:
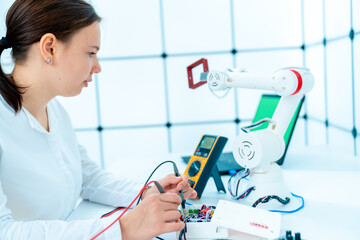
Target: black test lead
159	187
177	174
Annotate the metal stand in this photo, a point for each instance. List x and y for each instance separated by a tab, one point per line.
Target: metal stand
217	179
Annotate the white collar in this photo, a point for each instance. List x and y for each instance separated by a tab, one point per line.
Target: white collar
34	123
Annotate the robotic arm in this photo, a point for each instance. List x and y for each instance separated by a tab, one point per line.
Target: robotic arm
258	150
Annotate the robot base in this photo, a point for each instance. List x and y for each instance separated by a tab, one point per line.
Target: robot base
270	183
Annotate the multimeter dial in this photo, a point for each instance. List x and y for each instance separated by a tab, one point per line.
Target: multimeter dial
194	168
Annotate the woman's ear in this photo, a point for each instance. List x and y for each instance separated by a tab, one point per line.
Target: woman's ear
47	47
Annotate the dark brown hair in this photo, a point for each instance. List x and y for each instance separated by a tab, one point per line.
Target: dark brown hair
28	20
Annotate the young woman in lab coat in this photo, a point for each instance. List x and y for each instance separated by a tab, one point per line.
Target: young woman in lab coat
43	169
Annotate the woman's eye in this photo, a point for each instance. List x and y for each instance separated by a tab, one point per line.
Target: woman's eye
91	53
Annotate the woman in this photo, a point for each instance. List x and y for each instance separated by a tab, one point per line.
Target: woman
43	170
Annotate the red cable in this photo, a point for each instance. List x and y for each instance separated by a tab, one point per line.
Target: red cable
117	219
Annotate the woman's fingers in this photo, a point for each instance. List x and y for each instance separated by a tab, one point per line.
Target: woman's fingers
171	216
173	226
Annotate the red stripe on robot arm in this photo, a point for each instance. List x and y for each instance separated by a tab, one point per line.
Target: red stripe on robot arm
300	81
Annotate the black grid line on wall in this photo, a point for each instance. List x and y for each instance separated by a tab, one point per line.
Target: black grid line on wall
234	52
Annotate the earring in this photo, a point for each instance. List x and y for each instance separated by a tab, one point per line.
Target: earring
48	61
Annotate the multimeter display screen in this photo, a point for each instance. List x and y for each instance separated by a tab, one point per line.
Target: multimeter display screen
207	142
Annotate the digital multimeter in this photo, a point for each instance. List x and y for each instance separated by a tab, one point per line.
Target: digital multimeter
203	161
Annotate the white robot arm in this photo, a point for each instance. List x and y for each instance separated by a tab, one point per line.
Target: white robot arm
257	149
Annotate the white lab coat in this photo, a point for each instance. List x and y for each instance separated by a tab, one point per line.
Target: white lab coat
42	174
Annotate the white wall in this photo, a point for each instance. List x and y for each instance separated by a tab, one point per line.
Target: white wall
138	91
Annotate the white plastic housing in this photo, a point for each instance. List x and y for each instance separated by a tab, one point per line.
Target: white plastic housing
217	80
204	230
284	82
258	149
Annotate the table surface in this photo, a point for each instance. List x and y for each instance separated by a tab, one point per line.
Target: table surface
328	180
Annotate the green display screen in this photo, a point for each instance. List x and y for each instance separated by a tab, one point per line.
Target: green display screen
207	142
267	108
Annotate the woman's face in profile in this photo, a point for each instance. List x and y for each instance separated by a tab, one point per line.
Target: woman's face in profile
77	60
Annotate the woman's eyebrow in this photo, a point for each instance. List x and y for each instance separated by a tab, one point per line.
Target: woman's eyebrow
96	47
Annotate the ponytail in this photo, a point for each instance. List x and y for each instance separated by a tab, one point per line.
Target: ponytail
8	89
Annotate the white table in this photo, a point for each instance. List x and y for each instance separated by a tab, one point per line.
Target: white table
329	182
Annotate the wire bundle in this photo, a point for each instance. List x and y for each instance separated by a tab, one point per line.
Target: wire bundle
235	179
269	197
258	123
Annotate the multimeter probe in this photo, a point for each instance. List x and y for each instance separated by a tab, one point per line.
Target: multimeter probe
147	183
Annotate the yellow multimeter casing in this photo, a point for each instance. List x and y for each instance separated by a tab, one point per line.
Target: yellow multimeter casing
202	163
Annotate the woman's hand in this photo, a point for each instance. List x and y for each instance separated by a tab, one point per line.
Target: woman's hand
173	184
155	215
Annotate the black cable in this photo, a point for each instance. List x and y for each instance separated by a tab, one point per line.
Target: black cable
174	164
118	208
268	198
181	194
176	171
111	212
182	232
185	230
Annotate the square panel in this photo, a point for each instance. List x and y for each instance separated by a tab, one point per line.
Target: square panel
313	21
316	133
124	143
193	105
316	97
357	145
341	141
129	27
263	63
339	83
90	140
197	26
264	24
132	92
4	8
356	15
248	100
82	108
357	81
337	18
184	139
